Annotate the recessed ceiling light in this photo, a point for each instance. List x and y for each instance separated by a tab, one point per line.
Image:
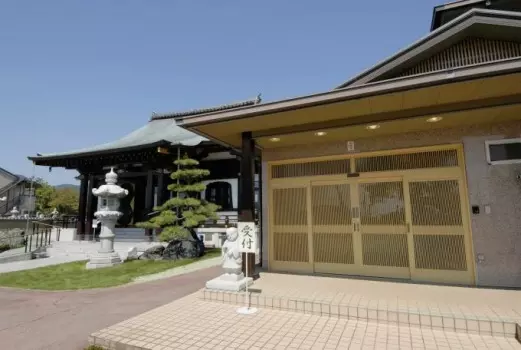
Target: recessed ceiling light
275	139
434	119
320	133
373	127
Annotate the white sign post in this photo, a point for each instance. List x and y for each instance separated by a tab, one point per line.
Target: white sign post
247	244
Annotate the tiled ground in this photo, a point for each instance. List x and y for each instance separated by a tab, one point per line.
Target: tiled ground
488	303
191	323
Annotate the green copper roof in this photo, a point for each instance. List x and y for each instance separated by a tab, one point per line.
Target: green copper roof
160	130
153	133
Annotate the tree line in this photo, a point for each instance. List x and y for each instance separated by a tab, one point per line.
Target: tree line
48	197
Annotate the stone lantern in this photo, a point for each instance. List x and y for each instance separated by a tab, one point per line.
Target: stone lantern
14	213
108	214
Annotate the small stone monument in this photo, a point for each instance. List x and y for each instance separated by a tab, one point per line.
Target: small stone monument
54	214
14	213
233	279
109	195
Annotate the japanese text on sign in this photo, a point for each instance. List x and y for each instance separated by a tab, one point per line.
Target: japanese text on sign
247	237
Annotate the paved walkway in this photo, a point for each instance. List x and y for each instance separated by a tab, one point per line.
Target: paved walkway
191	323
64	320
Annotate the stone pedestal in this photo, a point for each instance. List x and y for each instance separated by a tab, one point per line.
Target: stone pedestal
108	215
233	279
230	283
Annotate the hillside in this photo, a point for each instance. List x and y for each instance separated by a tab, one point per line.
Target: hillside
71	186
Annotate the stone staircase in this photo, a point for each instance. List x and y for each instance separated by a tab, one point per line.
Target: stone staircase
131	234
84	249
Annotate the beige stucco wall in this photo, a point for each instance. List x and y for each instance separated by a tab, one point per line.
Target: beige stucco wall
496	236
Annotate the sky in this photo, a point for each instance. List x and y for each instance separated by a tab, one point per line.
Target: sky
76	73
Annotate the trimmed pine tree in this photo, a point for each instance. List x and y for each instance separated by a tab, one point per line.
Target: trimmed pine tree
180	215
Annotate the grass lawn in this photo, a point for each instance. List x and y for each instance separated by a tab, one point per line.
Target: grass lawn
75	276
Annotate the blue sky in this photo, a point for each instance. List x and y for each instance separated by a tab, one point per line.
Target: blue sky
76	73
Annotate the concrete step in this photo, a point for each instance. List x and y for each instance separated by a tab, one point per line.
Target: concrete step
504	326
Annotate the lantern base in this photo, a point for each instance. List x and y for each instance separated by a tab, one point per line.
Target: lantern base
101	260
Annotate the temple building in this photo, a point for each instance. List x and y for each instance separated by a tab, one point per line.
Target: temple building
144	160
409	170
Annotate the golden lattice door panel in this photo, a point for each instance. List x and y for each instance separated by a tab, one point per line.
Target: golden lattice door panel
332	228
383	229
439	234
407	161
394	214
290	225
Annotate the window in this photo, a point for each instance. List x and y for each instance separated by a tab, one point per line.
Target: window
220	193
507	151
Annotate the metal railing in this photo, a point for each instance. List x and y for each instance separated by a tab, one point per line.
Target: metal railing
65	221
41	236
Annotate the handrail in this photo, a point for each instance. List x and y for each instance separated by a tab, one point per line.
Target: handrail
45	224
43	239
38	238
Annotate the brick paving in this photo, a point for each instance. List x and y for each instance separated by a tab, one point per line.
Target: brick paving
192	323
32	320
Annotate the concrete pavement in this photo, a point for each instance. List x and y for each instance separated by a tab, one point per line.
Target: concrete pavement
32	320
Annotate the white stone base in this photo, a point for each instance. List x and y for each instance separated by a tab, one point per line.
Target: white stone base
103	260
221	283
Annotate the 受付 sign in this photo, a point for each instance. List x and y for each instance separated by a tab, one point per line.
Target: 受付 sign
247	237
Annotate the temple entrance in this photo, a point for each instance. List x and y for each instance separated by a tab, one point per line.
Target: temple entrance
395	223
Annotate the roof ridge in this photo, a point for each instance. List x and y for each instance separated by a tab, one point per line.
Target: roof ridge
451	25
244	103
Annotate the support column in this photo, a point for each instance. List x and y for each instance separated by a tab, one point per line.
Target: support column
89	212
149	199
258	170
139	199
161	189
82	205
247	193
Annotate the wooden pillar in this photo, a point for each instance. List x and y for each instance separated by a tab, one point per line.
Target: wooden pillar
160	189
89	212
82	205
149	198
139	199
258	170
93	207
247	193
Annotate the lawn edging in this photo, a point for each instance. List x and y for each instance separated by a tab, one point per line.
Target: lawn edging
179	270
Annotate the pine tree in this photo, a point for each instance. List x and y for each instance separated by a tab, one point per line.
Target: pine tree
181	214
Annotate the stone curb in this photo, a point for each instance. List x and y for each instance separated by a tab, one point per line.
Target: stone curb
180	270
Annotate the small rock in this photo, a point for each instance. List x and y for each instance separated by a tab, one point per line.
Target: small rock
153	253
132	253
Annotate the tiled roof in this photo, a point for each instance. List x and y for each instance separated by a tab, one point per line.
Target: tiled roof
251	102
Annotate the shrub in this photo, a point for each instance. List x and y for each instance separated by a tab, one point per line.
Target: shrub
180	215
